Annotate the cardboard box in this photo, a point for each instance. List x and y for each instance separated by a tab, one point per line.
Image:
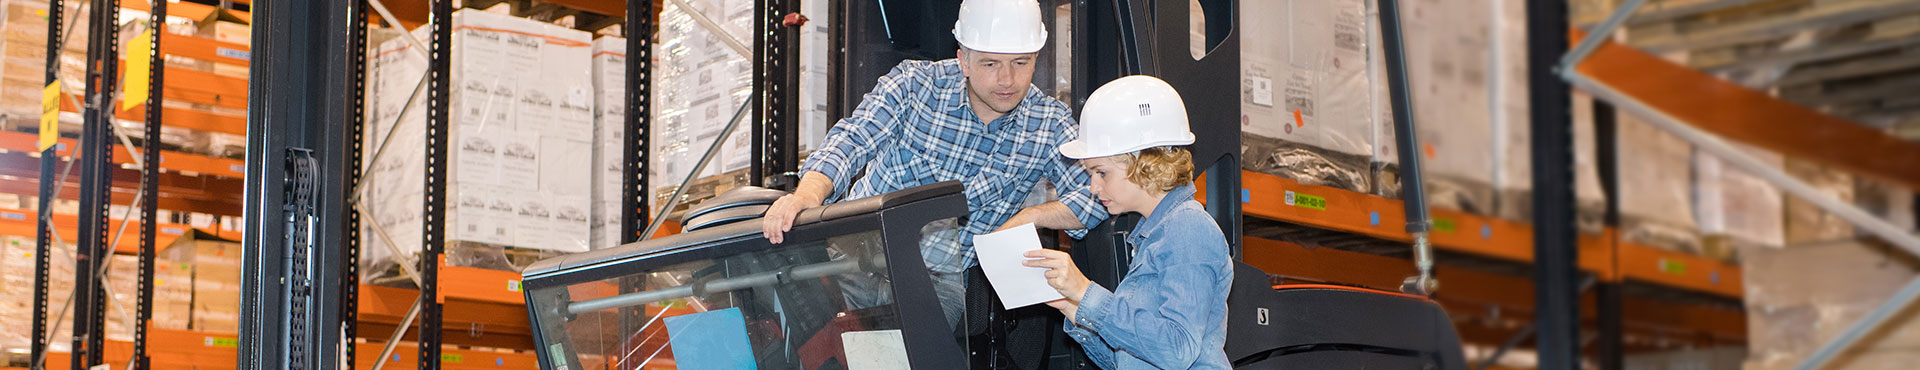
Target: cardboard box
1802	296
237	33
1806	223
23	60
609	141
1735	208
17	280
211	266
520	164
1656	187
1715	358
698	83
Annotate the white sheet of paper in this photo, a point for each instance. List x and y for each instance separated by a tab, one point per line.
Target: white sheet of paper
1001	255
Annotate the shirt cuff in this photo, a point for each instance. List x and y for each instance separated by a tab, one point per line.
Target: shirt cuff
1084	208
827	162
1094	308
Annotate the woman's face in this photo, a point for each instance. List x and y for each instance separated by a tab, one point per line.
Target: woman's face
1111	187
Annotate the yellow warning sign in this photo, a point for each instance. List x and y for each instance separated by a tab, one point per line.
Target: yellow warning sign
133	88
50	116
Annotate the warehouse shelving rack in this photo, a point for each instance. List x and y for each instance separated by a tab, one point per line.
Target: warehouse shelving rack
111	173
301	36
461	306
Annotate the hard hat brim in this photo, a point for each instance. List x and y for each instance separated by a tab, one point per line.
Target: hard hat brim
1032	46
1077	149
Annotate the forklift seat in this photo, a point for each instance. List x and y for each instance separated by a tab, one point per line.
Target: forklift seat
1334	327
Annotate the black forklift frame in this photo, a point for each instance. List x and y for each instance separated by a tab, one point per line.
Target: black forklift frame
300	103
898	216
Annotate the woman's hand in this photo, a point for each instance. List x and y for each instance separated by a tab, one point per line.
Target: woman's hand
1066	307
1061	273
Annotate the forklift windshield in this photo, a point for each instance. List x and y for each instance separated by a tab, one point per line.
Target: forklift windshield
847	290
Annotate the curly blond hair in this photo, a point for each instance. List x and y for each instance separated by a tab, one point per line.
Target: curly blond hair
1158	169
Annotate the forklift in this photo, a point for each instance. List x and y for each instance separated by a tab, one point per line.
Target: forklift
848	289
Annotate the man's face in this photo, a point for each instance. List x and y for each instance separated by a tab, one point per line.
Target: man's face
996	82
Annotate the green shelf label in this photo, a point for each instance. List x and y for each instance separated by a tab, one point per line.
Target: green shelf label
1310	201
223	342
1672	267
452	359
1304	200
1445	225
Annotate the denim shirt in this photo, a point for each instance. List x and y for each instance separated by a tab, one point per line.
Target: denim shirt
1170	312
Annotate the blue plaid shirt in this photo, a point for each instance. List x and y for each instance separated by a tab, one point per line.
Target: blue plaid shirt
916	128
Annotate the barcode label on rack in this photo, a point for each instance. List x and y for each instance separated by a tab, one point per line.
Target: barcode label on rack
231	53
223	342
1306	201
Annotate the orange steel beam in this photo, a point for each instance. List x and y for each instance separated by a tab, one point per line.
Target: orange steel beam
479	285
605	7
1680	270
207	49
387	305
1379	217
202	87
15	222
414	13
405	356
169	160
182	9
19	174
190	350
180	118
468	336
1600	254
1472	292
1752	117
168	350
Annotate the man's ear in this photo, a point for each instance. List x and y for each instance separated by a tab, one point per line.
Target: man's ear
961	55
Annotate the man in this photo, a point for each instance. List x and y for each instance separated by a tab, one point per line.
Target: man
976	119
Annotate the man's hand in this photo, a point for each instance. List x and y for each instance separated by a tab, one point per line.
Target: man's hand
1061	273
779	217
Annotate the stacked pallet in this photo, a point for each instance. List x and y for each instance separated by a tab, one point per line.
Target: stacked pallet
23	76
1829	276
698	83
1316	110
23	45
519	158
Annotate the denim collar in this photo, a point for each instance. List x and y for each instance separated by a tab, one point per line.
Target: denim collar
1151	225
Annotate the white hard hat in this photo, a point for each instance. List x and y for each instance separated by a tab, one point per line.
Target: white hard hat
1127	115
1000	26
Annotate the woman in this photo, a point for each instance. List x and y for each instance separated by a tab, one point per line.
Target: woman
1170	310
